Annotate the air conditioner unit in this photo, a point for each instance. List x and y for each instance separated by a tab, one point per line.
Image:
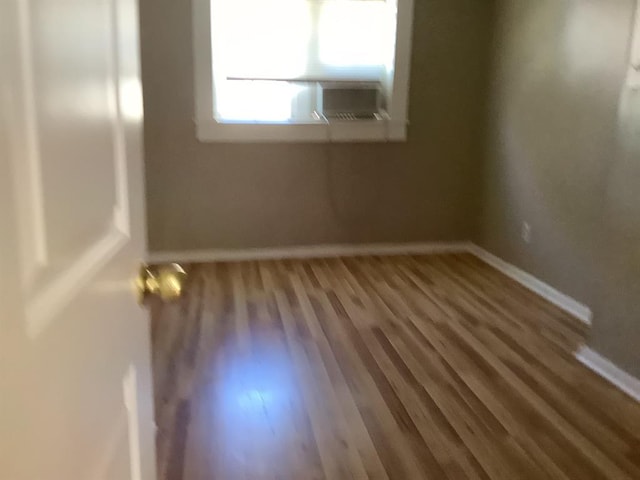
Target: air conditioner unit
350	100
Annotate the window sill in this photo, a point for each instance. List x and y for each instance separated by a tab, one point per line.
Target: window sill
212	131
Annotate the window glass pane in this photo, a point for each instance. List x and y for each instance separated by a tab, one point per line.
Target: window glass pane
307	40
356	33
260	38
259	101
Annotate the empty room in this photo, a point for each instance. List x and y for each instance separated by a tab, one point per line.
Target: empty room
319	239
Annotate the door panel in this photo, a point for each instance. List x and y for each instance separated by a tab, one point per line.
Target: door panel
72	176
74	345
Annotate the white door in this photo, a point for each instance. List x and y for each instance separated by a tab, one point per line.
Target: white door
75	384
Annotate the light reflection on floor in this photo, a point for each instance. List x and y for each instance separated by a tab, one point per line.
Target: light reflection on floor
253	409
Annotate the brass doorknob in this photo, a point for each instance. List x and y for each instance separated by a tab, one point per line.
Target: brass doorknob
165	281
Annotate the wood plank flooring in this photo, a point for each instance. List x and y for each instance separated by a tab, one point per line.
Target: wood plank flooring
403	367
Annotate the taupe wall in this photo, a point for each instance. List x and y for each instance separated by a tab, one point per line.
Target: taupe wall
564	155
233	196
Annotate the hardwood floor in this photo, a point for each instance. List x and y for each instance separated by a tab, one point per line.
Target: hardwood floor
410	367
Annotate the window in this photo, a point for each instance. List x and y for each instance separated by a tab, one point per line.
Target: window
302	70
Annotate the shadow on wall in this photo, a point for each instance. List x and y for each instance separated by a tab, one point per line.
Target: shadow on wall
563	156
620	324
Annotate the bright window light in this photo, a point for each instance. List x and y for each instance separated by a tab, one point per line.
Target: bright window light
356	33
256	101
260	38
257	41
336	69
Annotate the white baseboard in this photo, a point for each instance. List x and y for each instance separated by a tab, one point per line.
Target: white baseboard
588	357
603	367
575	308
311	251
546	291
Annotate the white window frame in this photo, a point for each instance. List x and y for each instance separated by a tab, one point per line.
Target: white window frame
208	129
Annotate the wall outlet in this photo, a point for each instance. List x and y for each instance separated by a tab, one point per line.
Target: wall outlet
526	232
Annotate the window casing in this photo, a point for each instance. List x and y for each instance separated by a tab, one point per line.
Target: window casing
260	75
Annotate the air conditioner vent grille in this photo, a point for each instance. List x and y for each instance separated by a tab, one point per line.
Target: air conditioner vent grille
350	102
